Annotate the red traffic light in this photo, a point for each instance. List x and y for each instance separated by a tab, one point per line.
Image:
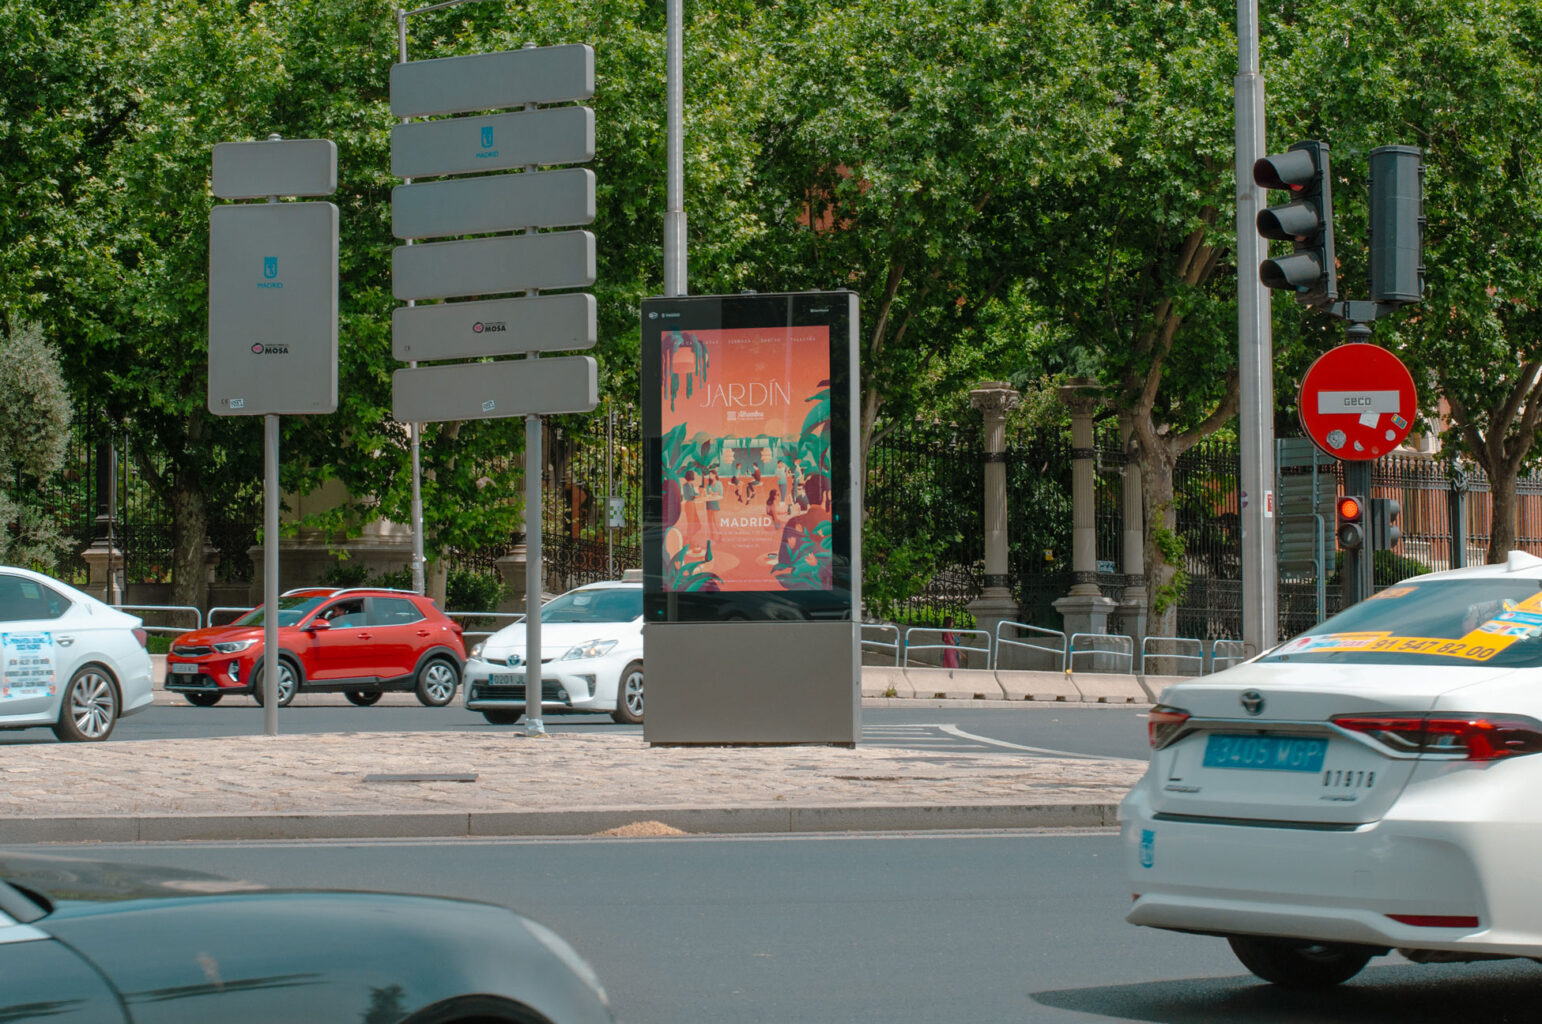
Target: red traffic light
1350	509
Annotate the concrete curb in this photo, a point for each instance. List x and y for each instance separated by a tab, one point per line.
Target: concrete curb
488	824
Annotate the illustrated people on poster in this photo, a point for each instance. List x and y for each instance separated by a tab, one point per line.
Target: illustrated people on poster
754	482
714	496
733	478
784	484
771	496
690	514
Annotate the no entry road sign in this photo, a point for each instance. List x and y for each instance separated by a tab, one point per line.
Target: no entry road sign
1357	402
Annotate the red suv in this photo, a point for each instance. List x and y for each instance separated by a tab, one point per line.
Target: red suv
361	643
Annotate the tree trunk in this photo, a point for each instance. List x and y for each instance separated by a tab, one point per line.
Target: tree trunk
190	532
436	576
1165	578
1501	534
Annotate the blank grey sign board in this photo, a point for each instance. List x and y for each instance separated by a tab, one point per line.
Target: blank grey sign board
273	309
493	202
484	391
495	142
279	167
493	327
493	266
490	81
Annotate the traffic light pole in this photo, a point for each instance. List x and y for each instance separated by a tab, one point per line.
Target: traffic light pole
1359	580
1255	360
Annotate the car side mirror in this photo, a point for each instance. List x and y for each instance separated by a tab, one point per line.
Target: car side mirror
318	624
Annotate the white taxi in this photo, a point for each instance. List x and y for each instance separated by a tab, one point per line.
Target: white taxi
67	660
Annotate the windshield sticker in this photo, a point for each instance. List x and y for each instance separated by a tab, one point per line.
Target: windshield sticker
1475	646
26	665
581	599
1391	592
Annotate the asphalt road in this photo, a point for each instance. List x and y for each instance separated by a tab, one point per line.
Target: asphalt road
904	929
1102	731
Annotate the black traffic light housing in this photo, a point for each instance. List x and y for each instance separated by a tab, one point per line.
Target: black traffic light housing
1350	511
1386	530
1306	221
1397	225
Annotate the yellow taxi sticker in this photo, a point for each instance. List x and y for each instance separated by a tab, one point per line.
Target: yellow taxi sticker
1475	646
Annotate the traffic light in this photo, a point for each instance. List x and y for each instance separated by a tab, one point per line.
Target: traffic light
1351	522
1397	225
1306	221
1385	528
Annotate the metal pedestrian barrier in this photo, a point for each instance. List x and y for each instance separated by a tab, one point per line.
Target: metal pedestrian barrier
1236	653
171	610
1030	638
880	645
483	634
1180	646
959	646
1110	645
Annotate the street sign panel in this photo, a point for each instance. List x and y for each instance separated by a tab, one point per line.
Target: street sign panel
276	167
272	309
491	266
481	391
489	81
1357	402
495	202
494	327
466	145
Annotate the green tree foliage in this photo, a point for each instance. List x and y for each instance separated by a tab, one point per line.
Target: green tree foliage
34	432
1457	78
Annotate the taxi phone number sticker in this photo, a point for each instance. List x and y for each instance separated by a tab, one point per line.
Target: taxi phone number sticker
26	664
1475	646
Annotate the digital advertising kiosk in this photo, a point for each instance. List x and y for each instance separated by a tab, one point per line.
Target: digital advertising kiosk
751	519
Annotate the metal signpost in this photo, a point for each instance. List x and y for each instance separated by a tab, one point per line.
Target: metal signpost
522	198
273	317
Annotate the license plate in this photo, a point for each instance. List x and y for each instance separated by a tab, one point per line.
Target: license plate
1265	753
182	668
506	678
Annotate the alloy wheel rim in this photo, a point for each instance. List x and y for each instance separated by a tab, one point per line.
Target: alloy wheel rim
634	693
92	705
440	681
285	683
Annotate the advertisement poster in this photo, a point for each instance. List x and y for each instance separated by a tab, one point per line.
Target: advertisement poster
26	665
746	430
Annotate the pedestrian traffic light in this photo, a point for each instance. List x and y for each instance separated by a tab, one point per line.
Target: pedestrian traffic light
1386	530
1397	225
1306	221
1351	522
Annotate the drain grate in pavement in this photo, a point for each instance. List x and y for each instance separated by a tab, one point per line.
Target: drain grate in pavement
423	777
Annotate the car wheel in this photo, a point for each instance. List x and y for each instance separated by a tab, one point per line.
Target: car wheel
629	696
203	700
288	683
437	681
363	698
1294	963
90	706
503	717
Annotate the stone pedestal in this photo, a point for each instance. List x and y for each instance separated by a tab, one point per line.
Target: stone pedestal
995	399
1083	613
1081	397
103	558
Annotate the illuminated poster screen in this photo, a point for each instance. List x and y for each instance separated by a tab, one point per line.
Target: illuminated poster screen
746	417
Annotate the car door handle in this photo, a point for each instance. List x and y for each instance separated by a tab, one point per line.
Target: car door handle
423	632
365	636
64	641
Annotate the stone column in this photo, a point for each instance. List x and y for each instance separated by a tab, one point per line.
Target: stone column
103	557
1084	609
995	605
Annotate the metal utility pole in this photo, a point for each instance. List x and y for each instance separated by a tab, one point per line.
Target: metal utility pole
1255	359
674	199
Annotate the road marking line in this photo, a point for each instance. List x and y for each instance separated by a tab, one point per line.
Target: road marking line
954	730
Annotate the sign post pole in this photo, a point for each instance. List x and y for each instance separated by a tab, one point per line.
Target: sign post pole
270	575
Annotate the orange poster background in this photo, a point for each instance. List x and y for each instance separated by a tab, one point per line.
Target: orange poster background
756	388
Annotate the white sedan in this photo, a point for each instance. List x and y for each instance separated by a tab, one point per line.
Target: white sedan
591	658
1367	786
67	660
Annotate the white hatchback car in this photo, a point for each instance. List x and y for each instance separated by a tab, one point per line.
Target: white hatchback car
1369	785
591	657
67	660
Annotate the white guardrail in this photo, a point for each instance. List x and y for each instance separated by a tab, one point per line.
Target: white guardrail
1179	648
958	645
1031	638
174	609
1109	645
875	644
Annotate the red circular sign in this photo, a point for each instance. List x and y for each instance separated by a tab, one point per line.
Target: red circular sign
1357	401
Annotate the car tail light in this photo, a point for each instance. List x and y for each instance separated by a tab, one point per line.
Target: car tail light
143	636
1468	737
1164	725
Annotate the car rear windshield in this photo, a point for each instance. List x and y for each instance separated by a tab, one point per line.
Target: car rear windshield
621	604
1485	621
290	610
